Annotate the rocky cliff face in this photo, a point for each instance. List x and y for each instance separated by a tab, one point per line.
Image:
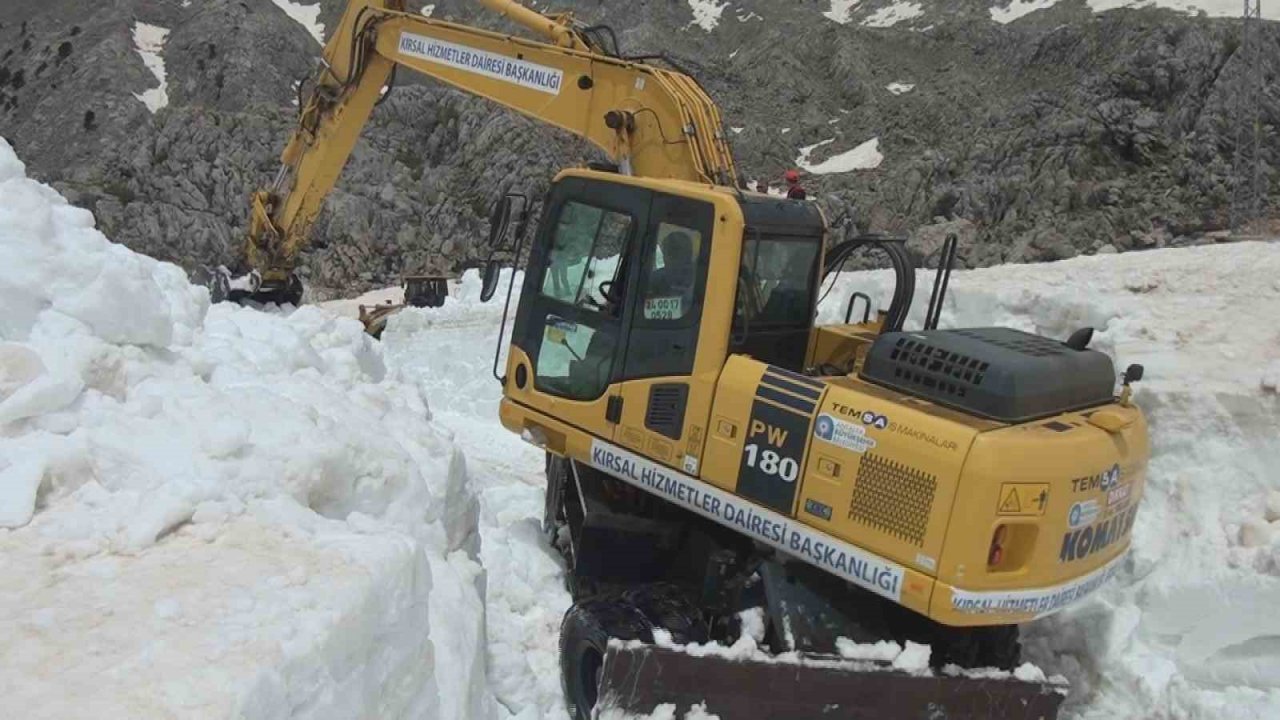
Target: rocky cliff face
1060	133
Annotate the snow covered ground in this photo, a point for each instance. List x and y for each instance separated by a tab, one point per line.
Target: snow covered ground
216	512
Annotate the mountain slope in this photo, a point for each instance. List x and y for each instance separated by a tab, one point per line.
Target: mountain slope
1059	132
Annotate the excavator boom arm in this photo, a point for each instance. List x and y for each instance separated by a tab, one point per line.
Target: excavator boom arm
651	121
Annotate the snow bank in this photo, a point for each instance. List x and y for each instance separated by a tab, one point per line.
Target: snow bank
863	157
212	511
1190	628
148	41
308	16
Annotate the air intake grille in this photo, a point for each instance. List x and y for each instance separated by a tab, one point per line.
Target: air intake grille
960	372
892	498
665	413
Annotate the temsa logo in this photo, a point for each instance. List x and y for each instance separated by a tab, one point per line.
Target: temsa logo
1104	480
866	417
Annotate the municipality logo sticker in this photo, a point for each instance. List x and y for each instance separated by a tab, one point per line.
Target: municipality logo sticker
1082	513
825	427
846	435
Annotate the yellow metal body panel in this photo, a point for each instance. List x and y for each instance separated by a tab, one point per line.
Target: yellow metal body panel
843	346
729	421
888	474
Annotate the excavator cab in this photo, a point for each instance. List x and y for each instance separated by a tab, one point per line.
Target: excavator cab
636	292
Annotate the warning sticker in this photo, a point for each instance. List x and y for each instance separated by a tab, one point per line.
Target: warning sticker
1023	499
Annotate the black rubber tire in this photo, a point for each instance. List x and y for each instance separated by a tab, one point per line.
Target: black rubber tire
291	294
666	606
981	647
628	615
584	638
1000	647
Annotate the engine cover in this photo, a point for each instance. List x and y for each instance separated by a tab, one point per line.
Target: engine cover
997	373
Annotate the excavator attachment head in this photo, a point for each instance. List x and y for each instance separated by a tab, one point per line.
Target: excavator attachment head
637	678
251	289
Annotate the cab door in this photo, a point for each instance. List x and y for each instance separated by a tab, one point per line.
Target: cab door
665	401
570	322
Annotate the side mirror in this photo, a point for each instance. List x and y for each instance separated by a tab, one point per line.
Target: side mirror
1133	374
489	278
499	219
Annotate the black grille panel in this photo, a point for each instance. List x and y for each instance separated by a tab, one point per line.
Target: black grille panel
893	498
665	413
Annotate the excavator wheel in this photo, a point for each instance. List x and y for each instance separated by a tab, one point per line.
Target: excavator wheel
584	639
627	615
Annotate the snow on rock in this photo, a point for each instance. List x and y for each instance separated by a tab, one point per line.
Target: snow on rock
891	15
148	41
1189	627
1018	8
706	13
1212	8
1009	10
841	11
863	157
214	511
308	16
900	88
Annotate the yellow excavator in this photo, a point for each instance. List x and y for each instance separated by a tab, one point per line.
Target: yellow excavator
745	501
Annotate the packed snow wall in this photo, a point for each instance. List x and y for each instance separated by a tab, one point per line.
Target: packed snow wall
208	511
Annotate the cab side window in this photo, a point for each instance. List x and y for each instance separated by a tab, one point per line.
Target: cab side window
585	251
672	272
583	271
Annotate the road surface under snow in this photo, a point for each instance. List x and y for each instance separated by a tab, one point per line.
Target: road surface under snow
207	511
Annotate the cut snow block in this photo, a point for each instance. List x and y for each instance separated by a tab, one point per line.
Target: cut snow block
19	365
19	484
